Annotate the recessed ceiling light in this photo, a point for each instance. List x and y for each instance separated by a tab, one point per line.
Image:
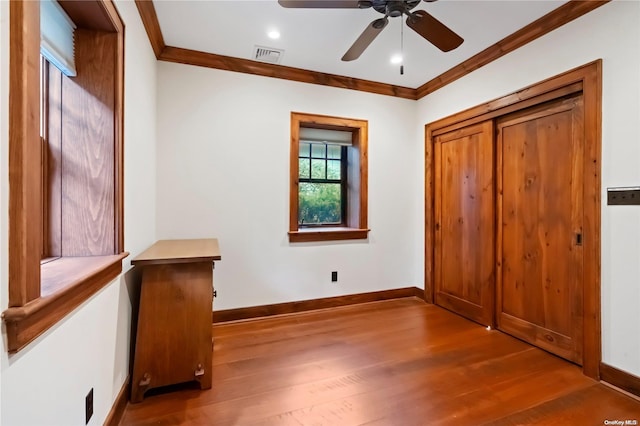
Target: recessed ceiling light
274	34
396	59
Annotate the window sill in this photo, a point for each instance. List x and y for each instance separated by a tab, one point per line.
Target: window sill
65	284
305	235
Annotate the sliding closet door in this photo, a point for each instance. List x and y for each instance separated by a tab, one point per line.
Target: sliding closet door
464	222
540	216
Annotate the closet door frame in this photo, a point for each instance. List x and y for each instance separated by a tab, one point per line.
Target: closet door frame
586	80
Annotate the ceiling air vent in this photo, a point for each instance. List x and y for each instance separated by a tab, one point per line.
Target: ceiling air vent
267	54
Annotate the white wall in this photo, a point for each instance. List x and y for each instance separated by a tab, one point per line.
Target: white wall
223	153
46	383
612	32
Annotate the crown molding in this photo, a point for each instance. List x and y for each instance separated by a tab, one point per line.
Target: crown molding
564	14
549	22
228	63
151	25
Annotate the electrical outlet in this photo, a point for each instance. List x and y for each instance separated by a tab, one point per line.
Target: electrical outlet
88	406
334	276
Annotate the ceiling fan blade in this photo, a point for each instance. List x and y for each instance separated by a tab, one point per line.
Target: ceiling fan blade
434	31
321	4
365	39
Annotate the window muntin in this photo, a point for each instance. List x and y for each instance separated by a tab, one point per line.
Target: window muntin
322	197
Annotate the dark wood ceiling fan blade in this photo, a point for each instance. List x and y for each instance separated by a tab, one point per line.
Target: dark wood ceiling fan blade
365	39
320	4
434	31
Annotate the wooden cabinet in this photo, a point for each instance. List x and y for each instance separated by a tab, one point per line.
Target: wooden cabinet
173	340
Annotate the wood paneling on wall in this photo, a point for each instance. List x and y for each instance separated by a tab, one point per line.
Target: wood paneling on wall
79	180
87	147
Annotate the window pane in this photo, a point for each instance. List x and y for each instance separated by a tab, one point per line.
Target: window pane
318	150
334	151
303	167
318	169
333	169
304	149
319	203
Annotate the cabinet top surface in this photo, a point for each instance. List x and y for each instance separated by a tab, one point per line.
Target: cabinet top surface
179	251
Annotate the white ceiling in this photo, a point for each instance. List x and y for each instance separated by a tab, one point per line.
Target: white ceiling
316	39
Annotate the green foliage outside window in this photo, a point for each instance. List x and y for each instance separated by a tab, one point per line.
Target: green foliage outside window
320	188
319	203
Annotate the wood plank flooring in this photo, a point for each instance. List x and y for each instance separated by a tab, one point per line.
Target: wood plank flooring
400	362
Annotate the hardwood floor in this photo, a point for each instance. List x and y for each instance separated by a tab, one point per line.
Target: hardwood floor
399	362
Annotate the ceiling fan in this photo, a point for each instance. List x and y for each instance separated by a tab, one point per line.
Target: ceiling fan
420	21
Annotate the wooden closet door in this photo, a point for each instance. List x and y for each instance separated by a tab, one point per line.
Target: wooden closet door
464	222
540	214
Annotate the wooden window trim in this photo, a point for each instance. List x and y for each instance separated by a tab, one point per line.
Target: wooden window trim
586	79
67	281
356	216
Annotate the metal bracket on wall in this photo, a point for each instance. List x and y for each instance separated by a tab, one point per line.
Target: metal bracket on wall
623	196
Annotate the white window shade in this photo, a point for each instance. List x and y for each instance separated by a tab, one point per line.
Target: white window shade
331	137
56	37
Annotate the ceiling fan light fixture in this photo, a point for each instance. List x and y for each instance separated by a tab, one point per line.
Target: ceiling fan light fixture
396	59
273	34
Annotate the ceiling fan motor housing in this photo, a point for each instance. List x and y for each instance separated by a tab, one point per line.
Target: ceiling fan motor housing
420	21
393	8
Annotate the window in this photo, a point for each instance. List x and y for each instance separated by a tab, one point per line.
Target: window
328	189
323	183
65	164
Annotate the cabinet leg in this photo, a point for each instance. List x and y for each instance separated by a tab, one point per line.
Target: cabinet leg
139	387
205	380
203	376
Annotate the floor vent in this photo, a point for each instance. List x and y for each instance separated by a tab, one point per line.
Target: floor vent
267	54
